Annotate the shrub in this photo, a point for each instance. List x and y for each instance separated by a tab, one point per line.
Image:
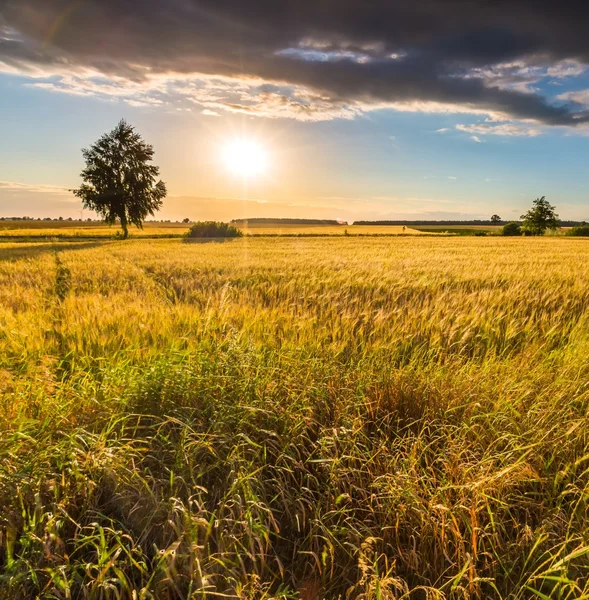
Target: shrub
581	230
213	229
511	229
480	234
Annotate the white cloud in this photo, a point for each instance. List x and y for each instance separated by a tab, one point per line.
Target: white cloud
507	129
521	76
579	96
210	113
566	68
477	139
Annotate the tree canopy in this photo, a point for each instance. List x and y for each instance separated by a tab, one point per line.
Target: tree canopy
119	181
540	217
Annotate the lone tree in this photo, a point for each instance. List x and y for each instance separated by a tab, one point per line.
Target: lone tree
540	217
119	183
495	219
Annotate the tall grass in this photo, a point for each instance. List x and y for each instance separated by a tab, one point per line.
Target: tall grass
277	418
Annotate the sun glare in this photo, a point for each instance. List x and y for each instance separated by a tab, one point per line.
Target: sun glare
245	158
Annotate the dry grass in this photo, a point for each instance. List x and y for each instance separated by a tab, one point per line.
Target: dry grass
368	418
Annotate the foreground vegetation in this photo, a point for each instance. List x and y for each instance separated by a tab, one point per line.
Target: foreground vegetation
299	417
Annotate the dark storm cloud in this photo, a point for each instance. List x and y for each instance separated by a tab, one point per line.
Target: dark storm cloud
435	44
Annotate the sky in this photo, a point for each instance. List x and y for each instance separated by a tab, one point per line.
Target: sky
380	109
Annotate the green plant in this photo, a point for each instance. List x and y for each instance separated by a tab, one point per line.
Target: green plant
581	230
62	279
213	229
511	229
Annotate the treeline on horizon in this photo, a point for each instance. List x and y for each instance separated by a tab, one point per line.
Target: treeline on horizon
286	221
563	223
290	221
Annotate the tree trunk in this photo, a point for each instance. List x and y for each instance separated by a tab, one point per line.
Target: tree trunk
123	219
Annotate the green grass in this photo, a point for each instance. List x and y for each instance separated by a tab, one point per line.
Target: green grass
368	418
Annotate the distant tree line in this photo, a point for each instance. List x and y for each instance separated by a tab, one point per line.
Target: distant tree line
87	220
50	219
563	223
272	221
427	222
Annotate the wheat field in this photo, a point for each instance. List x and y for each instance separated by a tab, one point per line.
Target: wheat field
371	418
81	230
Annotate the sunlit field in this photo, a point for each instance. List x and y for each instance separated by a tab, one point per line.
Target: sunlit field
375	418
260	229
69	229
80	229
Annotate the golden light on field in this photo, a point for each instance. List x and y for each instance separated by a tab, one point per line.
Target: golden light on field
245	157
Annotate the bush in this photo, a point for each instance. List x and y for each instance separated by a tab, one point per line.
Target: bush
581	230
511	229
213	229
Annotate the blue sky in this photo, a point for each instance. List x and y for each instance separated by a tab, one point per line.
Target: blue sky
330	153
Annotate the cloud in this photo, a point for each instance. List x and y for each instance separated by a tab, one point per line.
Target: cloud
477	139
566	68
579	96
507	129
525	76
13	186
319	60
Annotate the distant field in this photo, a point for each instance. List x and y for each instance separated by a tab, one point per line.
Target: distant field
9	225
295	418
89	232
451	227
329	230
81	229
460	229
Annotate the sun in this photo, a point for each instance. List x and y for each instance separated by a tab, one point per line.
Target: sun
245	157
